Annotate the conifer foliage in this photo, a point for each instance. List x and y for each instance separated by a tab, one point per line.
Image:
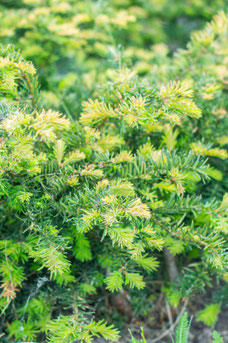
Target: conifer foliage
90	207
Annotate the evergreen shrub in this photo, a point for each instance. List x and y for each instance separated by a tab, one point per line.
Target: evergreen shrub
97	211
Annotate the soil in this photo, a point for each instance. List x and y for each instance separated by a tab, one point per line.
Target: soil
199	333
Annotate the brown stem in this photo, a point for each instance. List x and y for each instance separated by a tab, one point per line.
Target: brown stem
121	302
27	79
171	265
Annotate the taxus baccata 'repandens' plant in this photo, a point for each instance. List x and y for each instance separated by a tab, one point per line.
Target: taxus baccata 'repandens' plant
92	207
189	132
30	232
205	65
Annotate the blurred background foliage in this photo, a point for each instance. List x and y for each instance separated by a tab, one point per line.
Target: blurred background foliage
74	43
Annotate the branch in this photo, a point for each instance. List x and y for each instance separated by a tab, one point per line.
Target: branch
172	327
27	79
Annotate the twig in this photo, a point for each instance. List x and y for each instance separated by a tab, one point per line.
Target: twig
4	309
171	265
172	327
169	313
27	79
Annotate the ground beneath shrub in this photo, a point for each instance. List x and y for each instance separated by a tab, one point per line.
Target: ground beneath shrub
199	333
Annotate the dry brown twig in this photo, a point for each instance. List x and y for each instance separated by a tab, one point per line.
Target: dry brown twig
173	326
